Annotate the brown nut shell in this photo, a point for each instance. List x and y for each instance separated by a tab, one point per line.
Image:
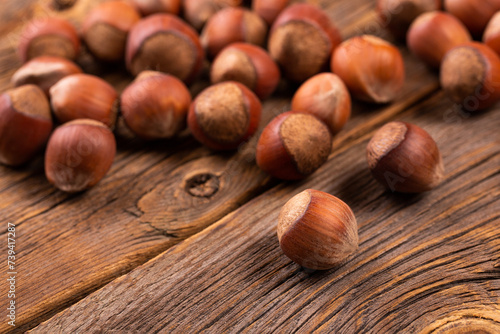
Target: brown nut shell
149	7
293	145
404	158
269	9
378	78
163	42
491	36
397	15
49	37
326	97
84	96
231	25
249	65
106	27
25	124
79	154
470	75
44	71
317	230
198	12
155	105
433	34
224	115
474	14
301	41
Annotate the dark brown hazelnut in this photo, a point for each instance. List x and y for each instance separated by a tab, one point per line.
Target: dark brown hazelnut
49	37
301	41
248	64
79	154
269	9
163	42
106	27
149	7
198	12
404	158
230	25
25	124
293	145
224	115
84	96
44	71
155	105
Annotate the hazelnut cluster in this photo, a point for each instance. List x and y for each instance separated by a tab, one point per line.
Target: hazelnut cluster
165	44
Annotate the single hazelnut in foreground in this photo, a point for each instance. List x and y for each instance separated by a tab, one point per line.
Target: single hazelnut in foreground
49	37
165	43
377	78
230	25
224	115
106	27
301	41
44	71
317	230
269	9
326	97
397	15
433	34
293	145
475	14
198	12
155	105
149	7
249	65
84	96
79	154
491	36
25	124
470	76
404	158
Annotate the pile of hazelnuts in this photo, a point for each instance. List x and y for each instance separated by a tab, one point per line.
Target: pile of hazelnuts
165	53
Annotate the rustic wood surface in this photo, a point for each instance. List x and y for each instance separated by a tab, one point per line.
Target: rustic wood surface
179	238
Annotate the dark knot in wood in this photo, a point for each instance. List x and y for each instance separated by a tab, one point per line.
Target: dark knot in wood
203	185
63	4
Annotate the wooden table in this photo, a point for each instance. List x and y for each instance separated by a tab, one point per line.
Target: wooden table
178	238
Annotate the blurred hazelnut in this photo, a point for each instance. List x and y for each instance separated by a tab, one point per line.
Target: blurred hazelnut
198	12
149	7
269	9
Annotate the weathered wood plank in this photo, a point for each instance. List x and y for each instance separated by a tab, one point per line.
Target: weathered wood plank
424	262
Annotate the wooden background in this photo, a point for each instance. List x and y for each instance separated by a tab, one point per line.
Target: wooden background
177	238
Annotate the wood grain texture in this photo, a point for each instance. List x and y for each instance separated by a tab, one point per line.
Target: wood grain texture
425	262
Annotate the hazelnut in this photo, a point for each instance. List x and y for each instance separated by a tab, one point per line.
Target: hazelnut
249	65
326	97
317	230
301	41
155	105
84	96
404	158
106	27
230	25
491	36
163	42
378	78
470	75
79	154
25	124
293	145
49	37
397	15
44	71
473	13
224	115
198	12
269	9
433	34
149	7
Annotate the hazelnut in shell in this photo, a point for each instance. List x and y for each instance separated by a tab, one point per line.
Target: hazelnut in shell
249	65
404	158
79	154
293	145
155	105
224	115
149	7
25	124
269	9
317	230
475	14
491	36
198	12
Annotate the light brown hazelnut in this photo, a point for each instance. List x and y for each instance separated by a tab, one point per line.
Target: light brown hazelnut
475	14
198	12
269	9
